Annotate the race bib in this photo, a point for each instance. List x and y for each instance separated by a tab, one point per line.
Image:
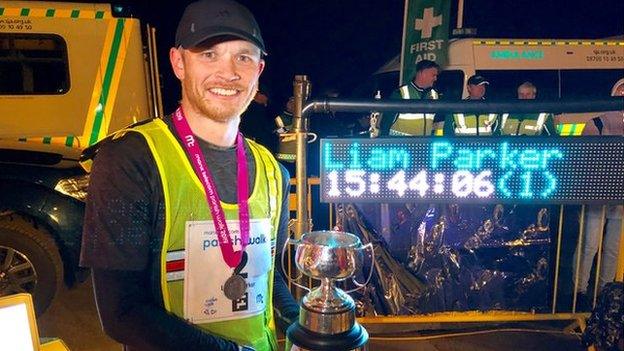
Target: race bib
206	272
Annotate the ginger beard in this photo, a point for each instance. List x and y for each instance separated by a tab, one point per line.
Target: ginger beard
199	97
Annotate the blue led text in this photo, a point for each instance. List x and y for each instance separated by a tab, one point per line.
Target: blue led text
443	153
388	159
328	161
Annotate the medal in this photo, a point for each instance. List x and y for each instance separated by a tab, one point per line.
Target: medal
235	286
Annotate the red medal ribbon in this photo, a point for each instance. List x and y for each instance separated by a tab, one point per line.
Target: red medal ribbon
232	258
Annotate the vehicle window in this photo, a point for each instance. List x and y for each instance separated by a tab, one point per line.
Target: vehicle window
589	83
504	83
450	84
33	64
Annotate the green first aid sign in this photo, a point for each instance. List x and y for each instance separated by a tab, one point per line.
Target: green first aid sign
425	34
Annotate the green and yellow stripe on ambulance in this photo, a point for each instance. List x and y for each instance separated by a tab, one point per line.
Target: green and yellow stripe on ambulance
548	42
107	80
54	12
106	85
570	129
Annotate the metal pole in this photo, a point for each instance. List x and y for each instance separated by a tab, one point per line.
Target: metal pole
440	106
405	24
557	260
301	91
603	217
460	14
159	103
579	248
619	274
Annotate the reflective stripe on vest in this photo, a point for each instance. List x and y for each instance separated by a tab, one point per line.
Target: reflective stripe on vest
404	90
540	121
411	124
461	123
185	200
536	127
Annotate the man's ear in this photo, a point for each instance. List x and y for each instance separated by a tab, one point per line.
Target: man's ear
177	62
261	65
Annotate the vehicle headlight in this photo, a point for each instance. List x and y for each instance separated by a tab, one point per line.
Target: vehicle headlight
75	187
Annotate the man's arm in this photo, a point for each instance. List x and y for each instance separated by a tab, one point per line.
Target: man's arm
285	307
449	125
129	316
123	215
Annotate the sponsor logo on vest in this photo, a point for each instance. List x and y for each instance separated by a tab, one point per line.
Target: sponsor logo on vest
256	240
209	308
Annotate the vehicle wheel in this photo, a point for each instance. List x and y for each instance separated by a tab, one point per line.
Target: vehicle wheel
29	261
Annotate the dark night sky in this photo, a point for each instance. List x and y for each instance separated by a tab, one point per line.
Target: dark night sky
338	43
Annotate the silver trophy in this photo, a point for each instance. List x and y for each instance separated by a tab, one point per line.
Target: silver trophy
327	315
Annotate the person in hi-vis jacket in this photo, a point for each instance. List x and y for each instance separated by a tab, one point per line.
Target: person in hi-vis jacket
185	215
472	124
536	123
419	88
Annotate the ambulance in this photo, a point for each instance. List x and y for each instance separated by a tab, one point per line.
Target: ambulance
566	69
70	74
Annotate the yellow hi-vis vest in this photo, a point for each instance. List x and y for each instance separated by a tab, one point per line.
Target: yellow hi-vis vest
467	124
525	124
411	124
185	200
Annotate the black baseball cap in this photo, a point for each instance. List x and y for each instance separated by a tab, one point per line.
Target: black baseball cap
206	19
477	80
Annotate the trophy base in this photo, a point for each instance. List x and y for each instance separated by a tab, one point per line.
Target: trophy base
329	323
354	339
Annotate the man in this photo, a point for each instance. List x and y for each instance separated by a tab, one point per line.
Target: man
609	123
420	88
471	124
527	91
529	123
476	87
612	123
184	214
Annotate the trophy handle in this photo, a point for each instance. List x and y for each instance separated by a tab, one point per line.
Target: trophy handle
370	273
288	242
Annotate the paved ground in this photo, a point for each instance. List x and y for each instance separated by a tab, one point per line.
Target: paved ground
73	318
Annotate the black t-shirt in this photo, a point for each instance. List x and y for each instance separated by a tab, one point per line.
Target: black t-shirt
122	242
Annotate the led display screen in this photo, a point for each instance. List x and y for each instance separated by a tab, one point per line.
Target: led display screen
474	170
